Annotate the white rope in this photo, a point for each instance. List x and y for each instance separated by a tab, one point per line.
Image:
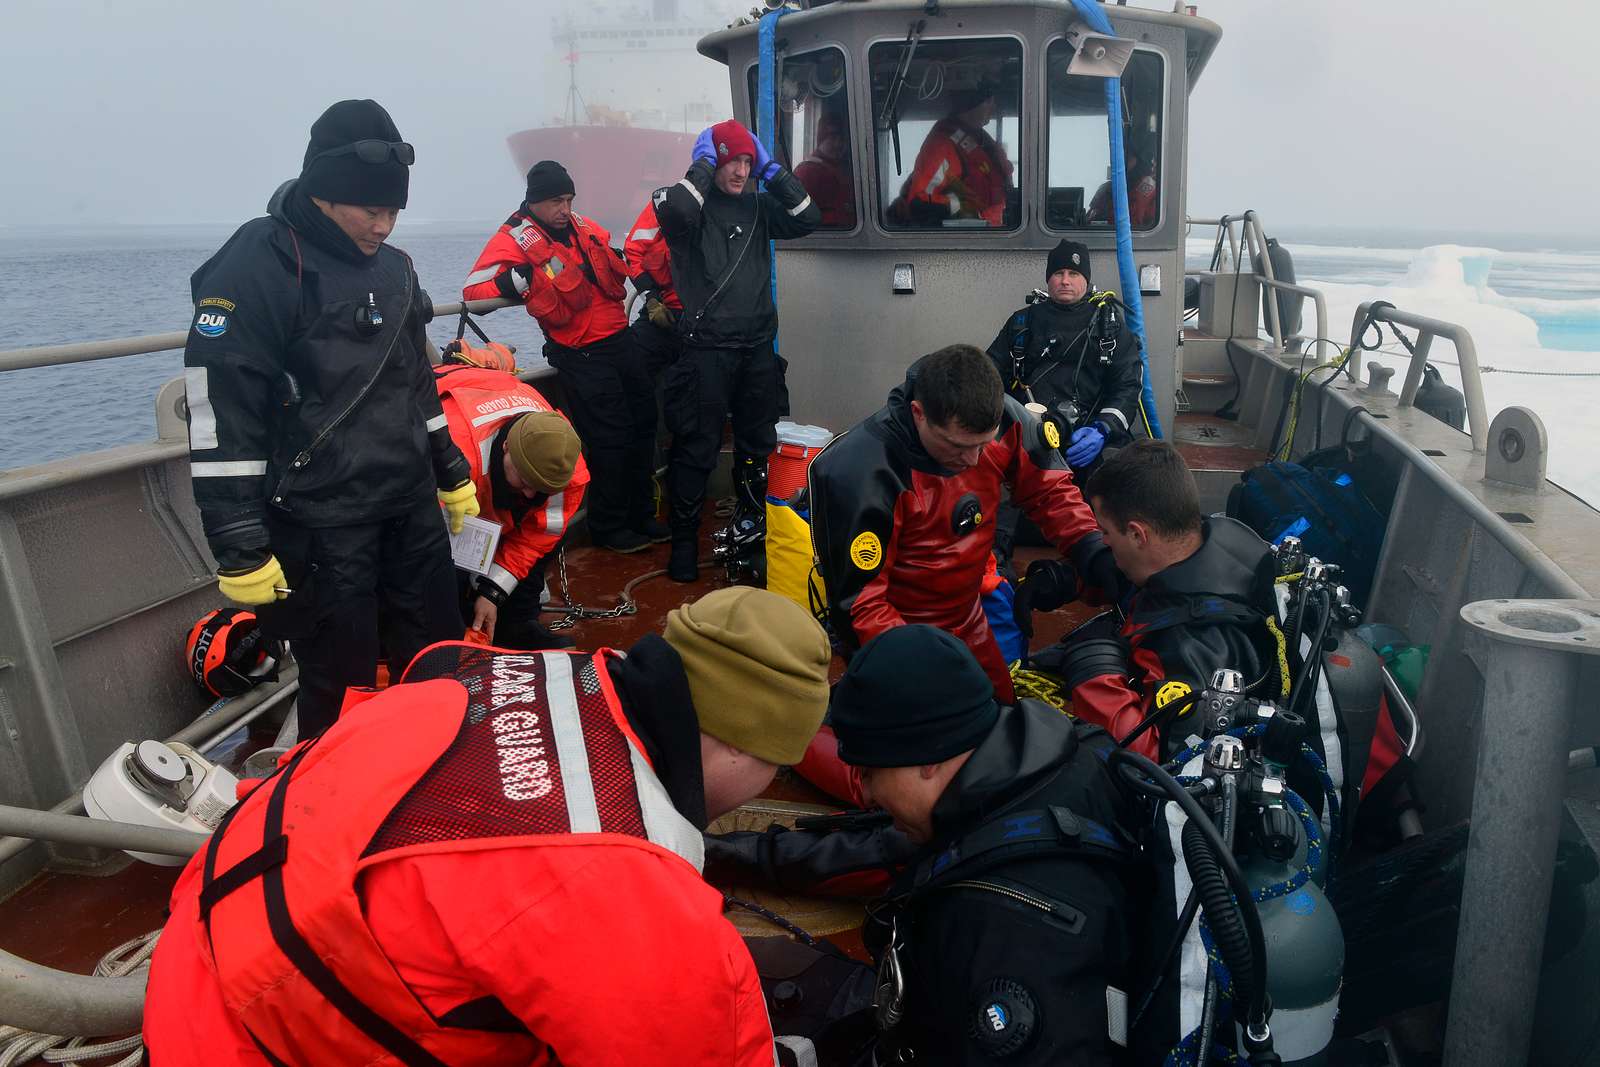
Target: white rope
19	1046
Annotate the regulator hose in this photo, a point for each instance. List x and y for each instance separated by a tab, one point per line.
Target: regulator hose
1223	916
1141	771
1309	667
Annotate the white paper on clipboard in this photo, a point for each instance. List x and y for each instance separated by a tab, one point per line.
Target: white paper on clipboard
473	548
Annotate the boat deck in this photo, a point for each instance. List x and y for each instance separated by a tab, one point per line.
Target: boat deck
69	920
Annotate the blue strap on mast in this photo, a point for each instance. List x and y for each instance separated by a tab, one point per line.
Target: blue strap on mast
767	118
1090	11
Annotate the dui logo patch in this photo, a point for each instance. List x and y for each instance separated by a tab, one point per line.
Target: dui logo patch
866	551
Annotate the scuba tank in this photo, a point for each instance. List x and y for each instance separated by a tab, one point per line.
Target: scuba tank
1339	690
1268	978
1305	959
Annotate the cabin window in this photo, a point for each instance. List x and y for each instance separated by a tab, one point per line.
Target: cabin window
1079	193
814	130
946	117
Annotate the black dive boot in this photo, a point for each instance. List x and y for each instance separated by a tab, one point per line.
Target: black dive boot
684	563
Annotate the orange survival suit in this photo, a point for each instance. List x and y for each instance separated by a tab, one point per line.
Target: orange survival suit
575	290
480	405
479	866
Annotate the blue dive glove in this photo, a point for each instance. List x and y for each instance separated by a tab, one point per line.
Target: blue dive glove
704	150
1087	441
765	166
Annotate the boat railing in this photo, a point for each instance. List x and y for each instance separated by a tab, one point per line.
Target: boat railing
1427	329
88	351
1244	233
1245	236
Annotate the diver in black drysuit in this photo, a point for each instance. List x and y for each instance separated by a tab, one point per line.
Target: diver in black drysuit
1074	354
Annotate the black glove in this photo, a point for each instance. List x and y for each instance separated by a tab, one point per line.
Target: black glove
1048	584
1097	568
798	860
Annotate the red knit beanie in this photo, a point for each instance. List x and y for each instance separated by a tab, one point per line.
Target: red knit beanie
730	139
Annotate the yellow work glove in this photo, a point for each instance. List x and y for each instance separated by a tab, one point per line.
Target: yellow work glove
459	503
659	314
257	586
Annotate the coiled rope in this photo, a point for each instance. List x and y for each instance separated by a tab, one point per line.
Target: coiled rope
18	1046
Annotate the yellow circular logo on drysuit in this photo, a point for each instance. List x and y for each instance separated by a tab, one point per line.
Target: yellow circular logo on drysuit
866	551
1052	436
1171	693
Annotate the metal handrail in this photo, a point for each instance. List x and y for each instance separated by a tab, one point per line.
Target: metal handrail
1319	302
1427	329
1255	243
87	351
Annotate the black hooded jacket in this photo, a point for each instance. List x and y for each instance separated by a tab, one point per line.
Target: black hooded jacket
721	259
309	389
1065	363
1009	951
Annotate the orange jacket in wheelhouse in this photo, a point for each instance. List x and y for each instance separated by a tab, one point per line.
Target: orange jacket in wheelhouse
573	287
479	405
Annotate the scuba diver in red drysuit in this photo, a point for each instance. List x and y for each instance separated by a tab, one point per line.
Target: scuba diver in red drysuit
903	505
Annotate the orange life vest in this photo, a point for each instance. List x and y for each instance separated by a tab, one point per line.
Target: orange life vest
487	749
572	310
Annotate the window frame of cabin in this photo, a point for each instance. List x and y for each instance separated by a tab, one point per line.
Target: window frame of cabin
782	153
1045	222
881	225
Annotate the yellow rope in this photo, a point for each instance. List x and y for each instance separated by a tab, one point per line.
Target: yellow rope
1283	657
1039	686
1299	389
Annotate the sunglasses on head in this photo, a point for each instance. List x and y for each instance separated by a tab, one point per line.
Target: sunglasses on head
374	151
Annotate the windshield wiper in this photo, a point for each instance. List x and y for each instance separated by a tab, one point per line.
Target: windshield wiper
889	117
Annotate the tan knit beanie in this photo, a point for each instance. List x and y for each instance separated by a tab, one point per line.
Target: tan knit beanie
544	448
757	665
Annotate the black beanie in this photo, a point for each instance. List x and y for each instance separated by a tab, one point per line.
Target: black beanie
1068	254
914	695
344	179
547	179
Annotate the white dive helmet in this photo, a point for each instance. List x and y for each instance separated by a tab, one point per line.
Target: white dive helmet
168	786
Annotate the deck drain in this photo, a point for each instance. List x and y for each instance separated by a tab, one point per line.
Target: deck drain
1432	452
1516	517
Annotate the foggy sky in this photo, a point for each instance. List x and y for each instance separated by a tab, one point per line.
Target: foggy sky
1425	113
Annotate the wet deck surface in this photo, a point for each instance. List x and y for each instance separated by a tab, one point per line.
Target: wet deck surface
70	920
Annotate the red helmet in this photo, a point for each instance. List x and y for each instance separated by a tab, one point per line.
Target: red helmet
227	653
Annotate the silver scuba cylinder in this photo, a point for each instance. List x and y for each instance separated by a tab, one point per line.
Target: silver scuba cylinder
1305	956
